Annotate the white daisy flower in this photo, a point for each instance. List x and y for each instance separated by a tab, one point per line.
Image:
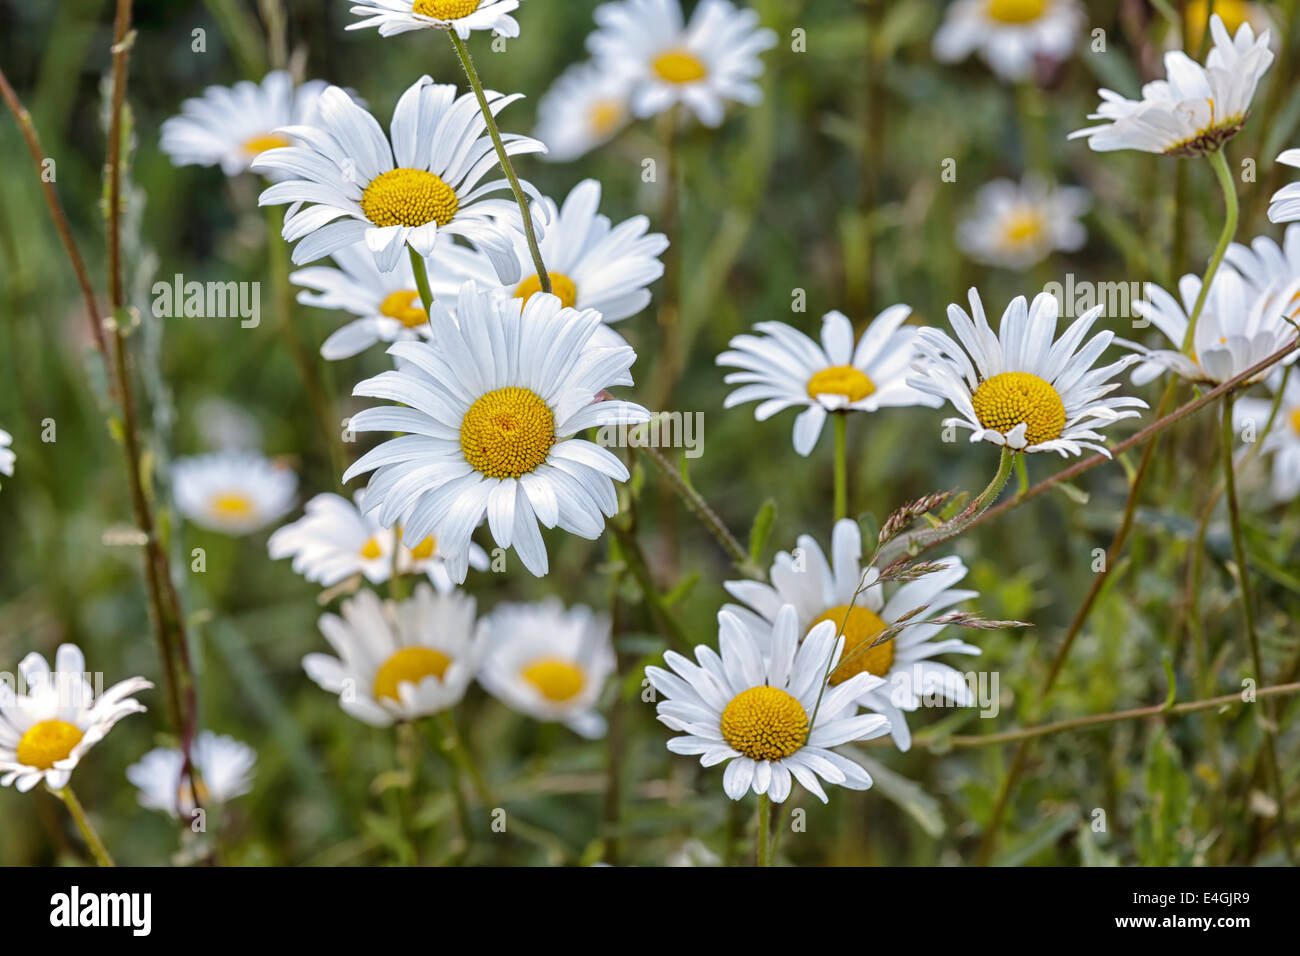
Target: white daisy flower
335	539
1285	204
549	663
702	65
1018	388
1264	265
592	264
387	304
464	16
230	125
1238	328
784	368
399	661
1196	109
224	766
755	703
47	728
1018	225
489	425
820	591
1283	442
234	492
7	456
585	108
1008	34
361	188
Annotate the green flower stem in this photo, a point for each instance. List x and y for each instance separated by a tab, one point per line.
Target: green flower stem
990	494
455	747
841	465
421	279
1220	166
97	848
471	74
761	838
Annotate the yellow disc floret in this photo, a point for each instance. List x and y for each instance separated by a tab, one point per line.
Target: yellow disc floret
410	665
561	286
1016	11
46	743
1011	398
507	433
404	306
841	380
859	656
679	66
260	144
605	116
445	9
232	505
764	723
1295	421
409	197
1022	226
557	679
371	549
424	550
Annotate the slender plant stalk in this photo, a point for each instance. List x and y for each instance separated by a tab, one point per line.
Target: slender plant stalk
97	848
459	752
763	836
841	466
471	74
421	279
1220	165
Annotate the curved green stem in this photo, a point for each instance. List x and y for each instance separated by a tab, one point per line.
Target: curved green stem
421	279
1220	166
97	848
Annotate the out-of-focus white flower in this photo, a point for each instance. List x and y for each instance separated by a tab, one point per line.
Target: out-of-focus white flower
1017	225
1009	34
225	771
234	492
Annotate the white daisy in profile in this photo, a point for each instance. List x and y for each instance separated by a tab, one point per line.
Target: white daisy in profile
1018	388
490	418
585	108
1008	34
756	704
386	304
593	264
1285	204
224	767
464	16
7	456
230	125
549	663
821	591
1238	328
53	718
1196	109
351	185
702	65
399	661
783	368
335	539
1282	442
234	492
1018	225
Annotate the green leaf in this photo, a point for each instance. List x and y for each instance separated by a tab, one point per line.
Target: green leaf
761	530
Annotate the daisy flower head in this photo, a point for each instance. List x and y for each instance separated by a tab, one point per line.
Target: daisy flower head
591	263
464	16
489	417
1009	35
703	64
47	727
399	660
1265	265
549	663
1196	109
585	108
1018	388
336	539
224	767
784	368
7	456
1017	225
1282	442
1237	329
755	703
352	185
1285	204
386	305
234	492
229	126
819	591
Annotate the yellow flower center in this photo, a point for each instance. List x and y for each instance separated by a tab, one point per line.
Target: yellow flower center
1016	11
1295	421
398	305
1008	399
561	285
859	656
1024	225
48	742
605	115
764	723
841	380
424	549
371	549
445	9
232	504
410	665
260	144
507	433
1197	18
185	794
409	197
558	680
679	66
